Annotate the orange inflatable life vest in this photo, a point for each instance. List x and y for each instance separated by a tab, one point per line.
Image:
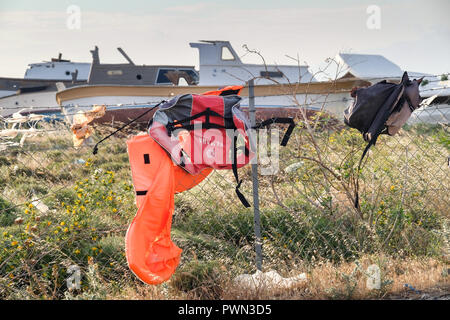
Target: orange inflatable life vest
225	91
150	252
142	151
159	171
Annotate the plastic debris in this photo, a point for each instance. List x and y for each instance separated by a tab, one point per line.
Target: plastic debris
8	133
293	167
410	287
80	126
270	281
39	204
79	161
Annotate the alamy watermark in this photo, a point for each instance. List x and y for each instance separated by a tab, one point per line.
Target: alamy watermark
373	21
215	148
74	280
73	21
373	274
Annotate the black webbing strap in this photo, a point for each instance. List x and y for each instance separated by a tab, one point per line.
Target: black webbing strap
235	172
207	113
95	149
288	132
182	159
229	92
408	100
366	149
373	140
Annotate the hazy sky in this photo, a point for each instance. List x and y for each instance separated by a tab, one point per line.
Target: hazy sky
413	34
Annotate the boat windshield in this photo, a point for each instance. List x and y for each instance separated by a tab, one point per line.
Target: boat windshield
172	76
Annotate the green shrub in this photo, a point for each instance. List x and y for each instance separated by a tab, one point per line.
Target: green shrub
201	279
7	213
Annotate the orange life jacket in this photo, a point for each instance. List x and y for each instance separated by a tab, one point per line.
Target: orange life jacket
161	166
151	254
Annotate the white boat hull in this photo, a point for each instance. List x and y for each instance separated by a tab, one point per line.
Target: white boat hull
28	101
333	103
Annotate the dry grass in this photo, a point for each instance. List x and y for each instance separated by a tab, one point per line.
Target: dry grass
324	281
348	280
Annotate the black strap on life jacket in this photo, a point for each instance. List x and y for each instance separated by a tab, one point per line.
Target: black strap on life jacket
241	197
287	134
283	143
230	92
187	125
95	149
206	124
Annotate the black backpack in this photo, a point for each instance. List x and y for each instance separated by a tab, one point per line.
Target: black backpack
381	109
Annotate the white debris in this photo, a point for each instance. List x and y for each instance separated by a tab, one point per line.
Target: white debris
293	167
17	120
6	145
270	280
8	133
79	161
42	207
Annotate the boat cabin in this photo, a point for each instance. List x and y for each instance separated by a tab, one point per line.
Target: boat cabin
132	74
220	64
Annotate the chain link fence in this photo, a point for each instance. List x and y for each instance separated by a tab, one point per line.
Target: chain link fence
64	212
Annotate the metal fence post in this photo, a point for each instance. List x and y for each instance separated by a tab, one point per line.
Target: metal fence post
257	217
